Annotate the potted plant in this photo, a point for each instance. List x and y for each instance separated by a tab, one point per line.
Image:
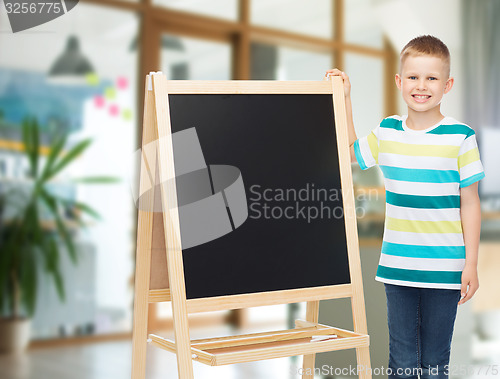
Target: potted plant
29	240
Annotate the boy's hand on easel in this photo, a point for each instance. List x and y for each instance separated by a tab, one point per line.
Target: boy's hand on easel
469	279
347	83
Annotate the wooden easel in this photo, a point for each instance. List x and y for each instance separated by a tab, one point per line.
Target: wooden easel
158	279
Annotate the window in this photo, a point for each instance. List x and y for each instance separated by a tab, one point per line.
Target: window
101	106
312	17
196	40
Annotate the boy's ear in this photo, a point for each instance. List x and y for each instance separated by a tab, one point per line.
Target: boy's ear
397	78
449	84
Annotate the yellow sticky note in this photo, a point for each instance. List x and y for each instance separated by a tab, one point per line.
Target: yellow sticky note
110	93
92	79
127	114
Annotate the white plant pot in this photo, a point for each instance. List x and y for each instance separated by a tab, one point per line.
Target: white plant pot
14	335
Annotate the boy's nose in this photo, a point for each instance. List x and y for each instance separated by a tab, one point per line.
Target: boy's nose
421	84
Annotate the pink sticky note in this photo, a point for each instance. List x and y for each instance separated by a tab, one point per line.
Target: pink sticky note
122	82
114	110
99	101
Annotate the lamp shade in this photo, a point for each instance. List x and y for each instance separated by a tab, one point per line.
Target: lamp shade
71	62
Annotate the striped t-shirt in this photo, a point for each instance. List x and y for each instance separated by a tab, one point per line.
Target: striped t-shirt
423	170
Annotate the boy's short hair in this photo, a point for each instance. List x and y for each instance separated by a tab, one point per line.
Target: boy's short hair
426	45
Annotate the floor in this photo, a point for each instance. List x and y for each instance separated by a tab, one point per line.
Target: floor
112	360
486	354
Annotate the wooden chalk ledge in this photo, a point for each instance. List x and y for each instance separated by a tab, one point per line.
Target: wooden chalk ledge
306	338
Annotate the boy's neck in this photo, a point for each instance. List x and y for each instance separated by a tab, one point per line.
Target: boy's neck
423	120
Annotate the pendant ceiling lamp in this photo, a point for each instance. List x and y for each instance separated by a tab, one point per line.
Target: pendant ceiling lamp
71	67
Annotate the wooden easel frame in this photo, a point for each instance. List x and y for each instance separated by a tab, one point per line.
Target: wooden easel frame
150	282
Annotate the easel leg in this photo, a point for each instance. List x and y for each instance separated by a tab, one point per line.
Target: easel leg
312	315
171	226
360	326
139	342
363	359
141	306
143	253
180	315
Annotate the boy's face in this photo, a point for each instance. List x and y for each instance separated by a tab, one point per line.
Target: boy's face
423	82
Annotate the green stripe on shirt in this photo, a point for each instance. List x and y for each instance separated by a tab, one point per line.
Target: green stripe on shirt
452	129
419	201
392	123
420	175
423	251
423	276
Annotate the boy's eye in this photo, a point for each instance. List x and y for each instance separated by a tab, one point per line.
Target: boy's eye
412	77
432	78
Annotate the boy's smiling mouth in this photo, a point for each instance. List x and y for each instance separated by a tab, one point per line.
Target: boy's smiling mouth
421	98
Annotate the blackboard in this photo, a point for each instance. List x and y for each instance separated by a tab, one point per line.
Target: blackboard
215	156
286	149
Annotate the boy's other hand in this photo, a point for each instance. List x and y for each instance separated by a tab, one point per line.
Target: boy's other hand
470	279
347	83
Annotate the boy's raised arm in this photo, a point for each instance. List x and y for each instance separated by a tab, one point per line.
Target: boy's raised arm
348	105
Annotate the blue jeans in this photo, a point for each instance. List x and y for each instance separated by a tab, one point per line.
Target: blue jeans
421	322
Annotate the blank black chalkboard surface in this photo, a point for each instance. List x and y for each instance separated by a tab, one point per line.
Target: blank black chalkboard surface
245	199
286	150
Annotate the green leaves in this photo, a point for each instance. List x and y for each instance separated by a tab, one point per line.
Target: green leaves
31	142
97	180
81	207
52	267
55	151
70	156
28	277
32	240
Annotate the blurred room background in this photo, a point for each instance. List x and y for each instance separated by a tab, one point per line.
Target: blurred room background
117	42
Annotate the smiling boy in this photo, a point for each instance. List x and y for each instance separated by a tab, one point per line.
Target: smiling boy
431	169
